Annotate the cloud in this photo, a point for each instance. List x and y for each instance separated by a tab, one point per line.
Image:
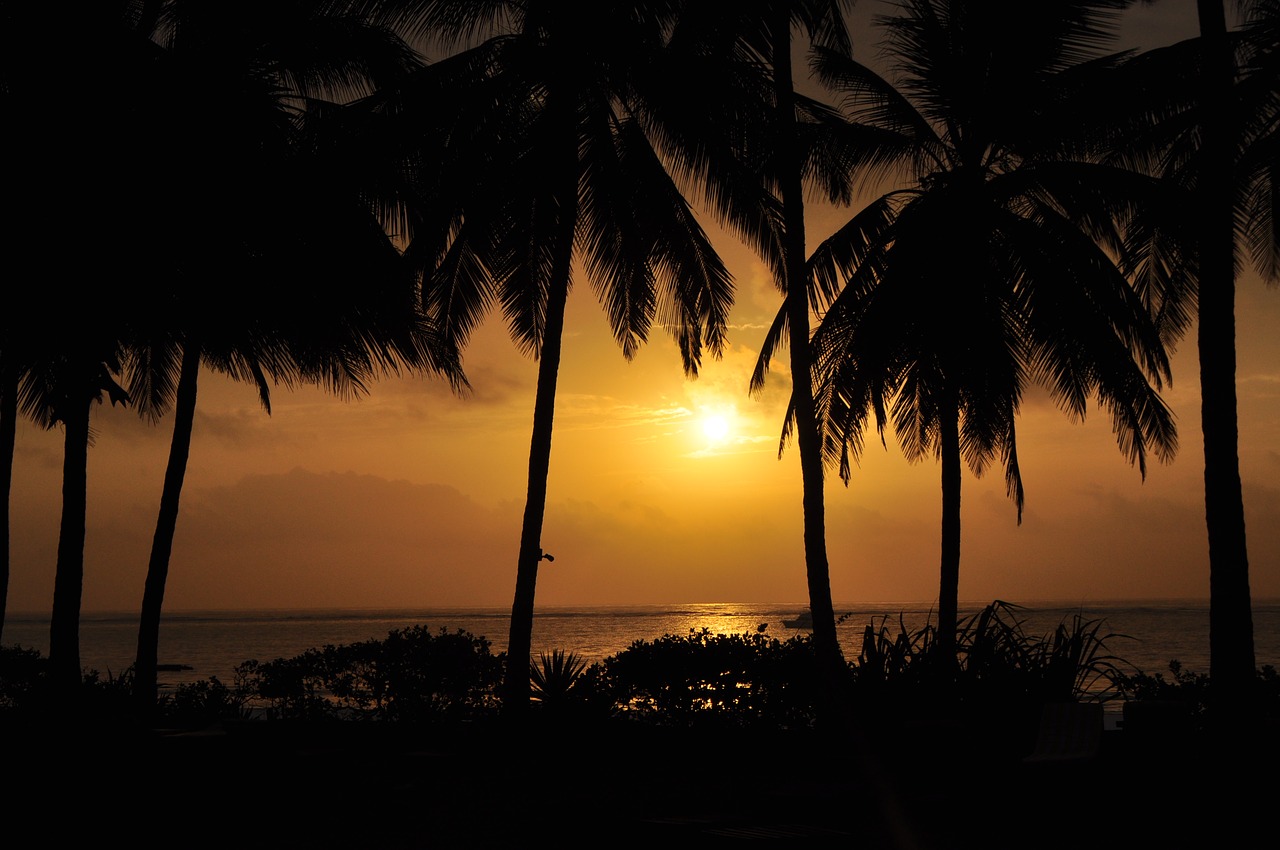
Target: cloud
304	539
582	412
296	539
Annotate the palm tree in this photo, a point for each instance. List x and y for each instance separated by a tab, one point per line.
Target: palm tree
66	350
26	73
62	389
239	86
548	132
1208	123
755	142
1231	655
997	266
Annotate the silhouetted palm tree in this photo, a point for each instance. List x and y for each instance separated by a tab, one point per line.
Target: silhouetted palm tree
757	144
76	370
1231	657
69	82
549	134
302	283
995	267
1209	124
1234	178
67	147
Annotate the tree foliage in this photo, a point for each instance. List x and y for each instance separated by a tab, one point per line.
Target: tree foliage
996	262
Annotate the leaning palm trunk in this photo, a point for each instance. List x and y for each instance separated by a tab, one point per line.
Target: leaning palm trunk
8	435
68	584
1231	652
520	639
144	666
817	569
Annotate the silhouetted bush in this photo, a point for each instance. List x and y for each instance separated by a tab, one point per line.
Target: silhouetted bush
1184	687
22	671
700	680
705	679
25	688
411	675
996	666
1193	692
204	703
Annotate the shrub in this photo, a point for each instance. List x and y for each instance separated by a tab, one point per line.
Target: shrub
996	664
411	675
1000	660
705	679
1194	690
205	702
25	688
22	671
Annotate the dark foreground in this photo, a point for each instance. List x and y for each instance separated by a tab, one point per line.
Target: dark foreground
924	787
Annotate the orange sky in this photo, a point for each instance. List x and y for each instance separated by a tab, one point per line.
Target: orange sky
411	497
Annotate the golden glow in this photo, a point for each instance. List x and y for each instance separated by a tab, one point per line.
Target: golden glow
715	427
718	424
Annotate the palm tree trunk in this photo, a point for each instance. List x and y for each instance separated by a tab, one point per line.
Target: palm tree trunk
515	700
8	437
949	586
1231	651
64	626
817	571
144	666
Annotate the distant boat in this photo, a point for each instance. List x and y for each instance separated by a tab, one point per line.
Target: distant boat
803	620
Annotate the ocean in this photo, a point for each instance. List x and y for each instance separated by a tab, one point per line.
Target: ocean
1145	636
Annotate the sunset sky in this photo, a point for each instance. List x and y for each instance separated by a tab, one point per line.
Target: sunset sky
662	489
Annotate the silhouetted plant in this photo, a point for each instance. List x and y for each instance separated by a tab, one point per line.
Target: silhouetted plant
283	689
1001	662
996	664
707	679
886	656
28	688
411	675
21	671
554	676
203	703
1184	687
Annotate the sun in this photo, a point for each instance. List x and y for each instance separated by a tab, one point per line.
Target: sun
717	424
715	427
